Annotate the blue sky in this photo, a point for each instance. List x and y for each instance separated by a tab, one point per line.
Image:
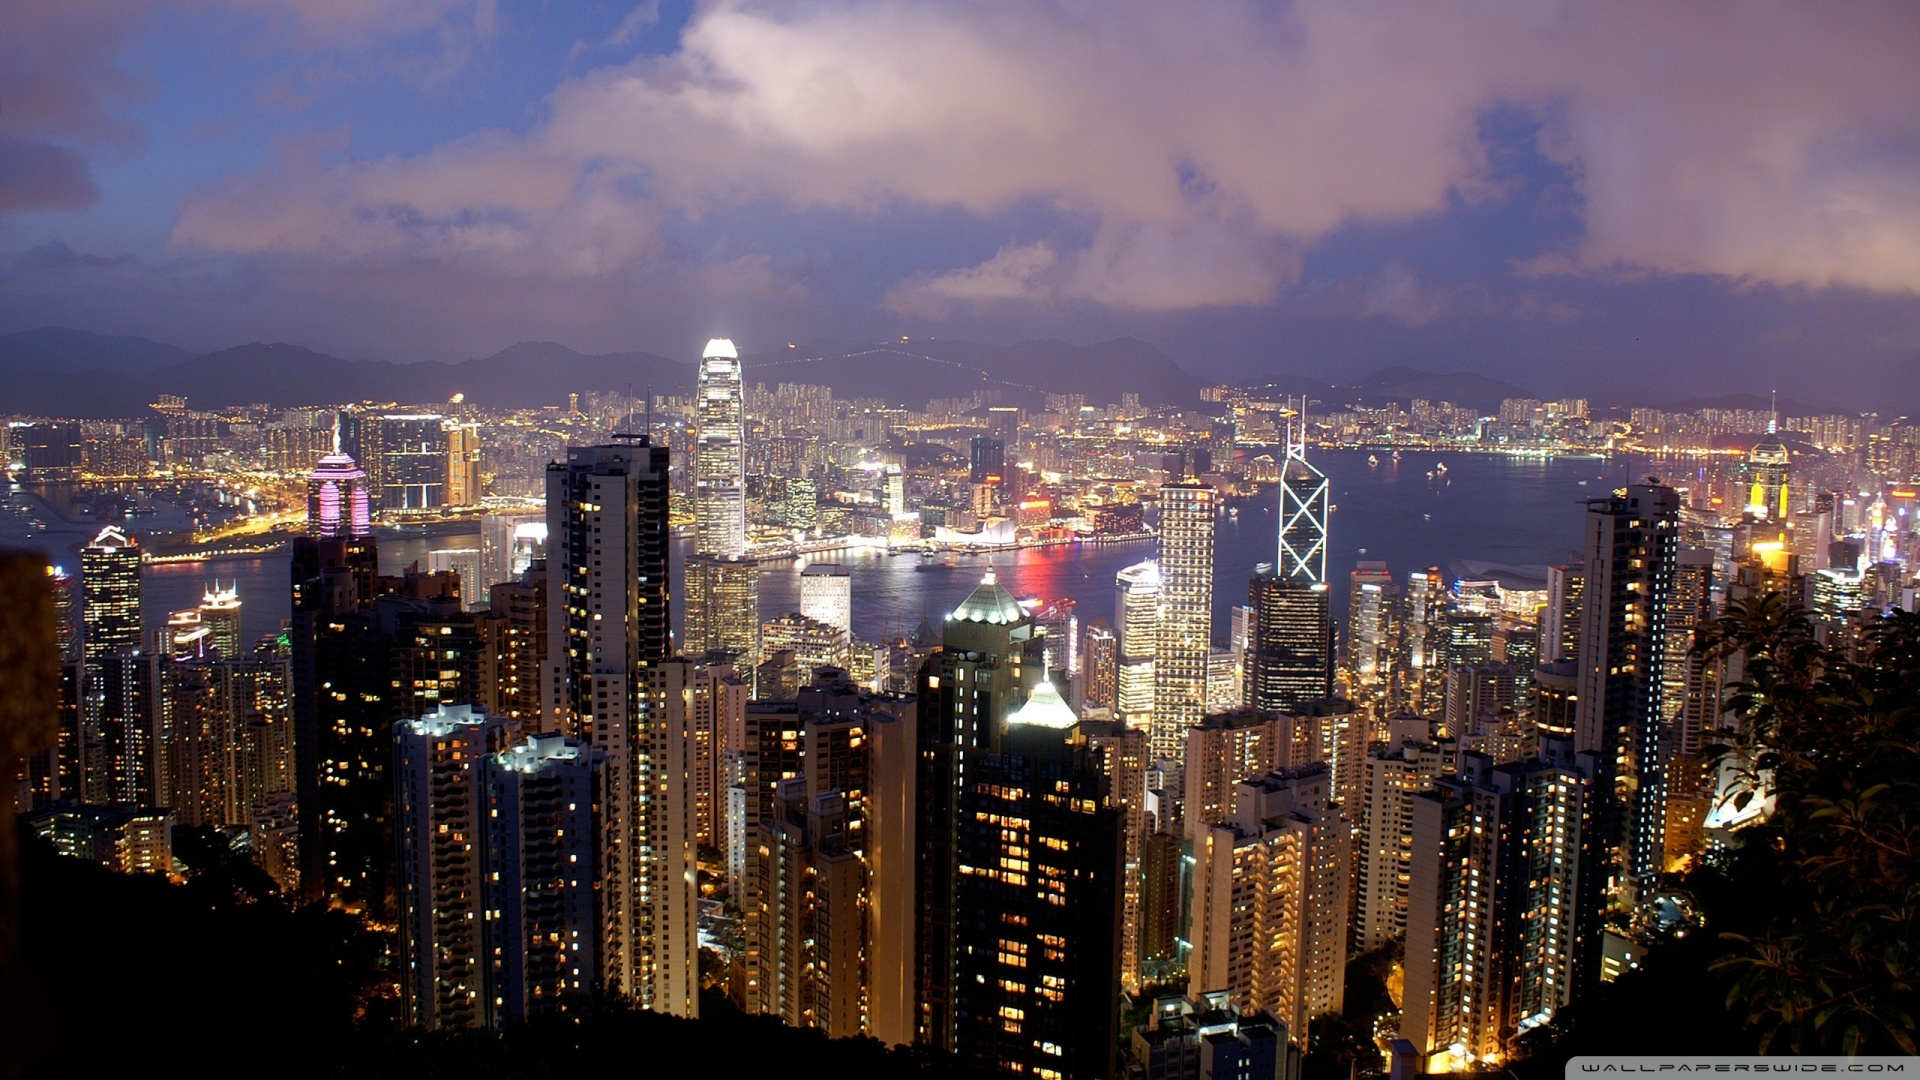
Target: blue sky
1626	200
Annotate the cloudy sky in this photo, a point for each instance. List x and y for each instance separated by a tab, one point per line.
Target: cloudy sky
1696	198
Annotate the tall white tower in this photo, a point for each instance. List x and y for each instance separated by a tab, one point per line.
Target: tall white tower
1186	615
720	463
1305	507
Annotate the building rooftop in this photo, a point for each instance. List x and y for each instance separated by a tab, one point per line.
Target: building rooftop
990	602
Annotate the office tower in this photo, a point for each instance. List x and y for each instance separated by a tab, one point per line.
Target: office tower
52	453
611	686
1038	902
1306	509
1383	838
1479	695
1136	622
514	629
465	485
116	751
722	596
1099	666
1291	661
988	658
1560	622
219	613
1270	900
1060	626
1632	542
368	652
1465	637
338	500
814	644
1199	1039
540	862
110	594
1556	699
1226	680
1185	559
1766	472
439	818
1370	603
1498	926
987	460
719	461
464	564
413	462
1424	603
1121	753
826	594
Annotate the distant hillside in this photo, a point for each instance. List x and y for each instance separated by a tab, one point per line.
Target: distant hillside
912	373
56	348
1401	385
1750	403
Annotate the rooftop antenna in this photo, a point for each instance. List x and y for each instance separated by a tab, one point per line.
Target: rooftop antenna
649	414
1773	415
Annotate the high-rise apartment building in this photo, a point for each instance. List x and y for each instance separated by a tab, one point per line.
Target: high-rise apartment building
1632	542
1270	900
827	915
1099	679
612	686
1499	924
1560	620
439	818
1136	623
514	629
1187	513
1121	753
1383	838
1228	748
720	464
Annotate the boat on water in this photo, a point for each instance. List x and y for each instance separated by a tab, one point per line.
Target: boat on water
928	563
1372	460
1233	512
1396	455
1441	468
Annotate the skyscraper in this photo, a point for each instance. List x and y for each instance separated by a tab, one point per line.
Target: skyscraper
720	465
1632	540
1291	661
611	686
1270	900
337	499
988	658
1306	509
413	461
1038	903
1136	623
1498	924
1187	512
1370	603
826	594
465	485
722	595
117	756
1560	620
1383	839
438	820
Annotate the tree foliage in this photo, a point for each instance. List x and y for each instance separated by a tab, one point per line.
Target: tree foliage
1831	730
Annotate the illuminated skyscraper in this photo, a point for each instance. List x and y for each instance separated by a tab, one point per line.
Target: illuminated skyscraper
1370	606
1270	900
438	820
1038	901
1291	661
988	659
1099	665
611	685
1498	924
1383	837
465	486
413	461
722	602
1766	469
1560	620
1306	509
1136	621
1632	543
1187	513
117	751
720	465
337	500
826	594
